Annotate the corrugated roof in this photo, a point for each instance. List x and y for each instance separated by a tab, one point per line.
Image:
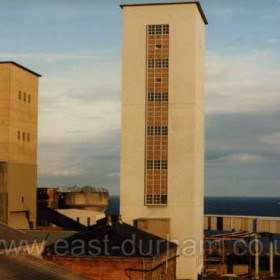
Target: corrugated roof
26	267
11	238
170	3
48	236
20	66
119	235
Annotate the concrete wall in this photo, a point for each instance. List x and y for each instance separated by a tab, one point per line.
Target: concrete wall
186	124
18	141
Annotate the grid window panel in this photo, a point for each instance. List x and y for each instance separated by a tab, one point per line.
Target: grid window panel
150	96
159	29
158	80
150	130
158	63
164	130
158	96
164	164
165	29
150	164
157	130
156	199
151	63
151	29
165	63
165	96
157	164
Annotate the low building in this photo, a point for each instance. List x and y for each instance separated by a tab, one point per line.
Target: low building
26	267
115	250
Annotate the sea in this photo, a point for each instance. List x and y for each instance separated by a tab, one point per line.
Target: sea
247	206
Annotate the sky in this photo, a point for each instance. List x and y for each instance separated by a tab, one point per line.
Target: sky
77	45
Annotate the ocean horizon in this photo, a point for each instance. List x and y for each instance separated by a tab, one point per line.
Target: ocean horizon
240	206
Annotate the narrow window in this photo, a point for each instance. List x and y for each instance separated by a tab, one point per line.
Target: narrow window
18	135
88	222
24	96
23	136
29	98
19	95
28	137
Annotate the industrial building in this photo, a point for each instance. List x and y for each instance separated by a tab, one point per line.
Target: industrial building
59	205
162	137
18	145
112	249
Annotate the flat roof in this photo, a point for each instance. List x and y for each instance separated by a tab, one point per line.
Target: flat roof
20	66
170	3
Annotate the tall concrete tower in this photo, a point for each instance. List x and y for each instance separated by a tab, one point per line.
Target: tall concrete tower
162	146
18	145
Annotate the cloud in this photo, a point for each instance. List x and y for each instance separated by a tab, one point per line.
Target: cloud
244	82
114	174
53	57
241	158
272	139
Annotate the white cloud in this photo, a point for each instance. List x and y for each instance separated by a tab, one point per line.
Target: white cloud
272	139
114	174
243	82
241	158
52	57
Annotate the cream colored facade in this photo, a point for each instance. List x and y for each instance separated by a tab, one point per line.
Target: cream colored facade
18	145
184	208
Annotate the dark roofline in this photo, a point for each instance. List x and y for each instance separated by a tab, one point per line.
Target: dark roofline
170	3
20	66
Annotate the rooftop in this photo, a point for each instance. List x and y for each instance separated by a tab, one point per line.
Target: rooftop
170	3
26	267
12	238
123	241
20	66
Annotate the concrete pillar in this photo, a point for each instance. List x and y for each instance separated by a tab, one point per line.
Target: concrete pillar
257	251
271	256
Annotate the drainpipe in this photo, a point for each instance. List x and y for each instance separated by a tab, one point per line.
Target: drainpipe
271	256
257	255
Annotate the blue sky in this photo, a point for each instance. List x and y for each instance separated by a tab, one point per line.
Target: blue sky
76	46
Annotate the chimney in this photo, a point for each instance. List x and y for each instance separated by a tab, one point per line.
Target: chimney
109	221
120	221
